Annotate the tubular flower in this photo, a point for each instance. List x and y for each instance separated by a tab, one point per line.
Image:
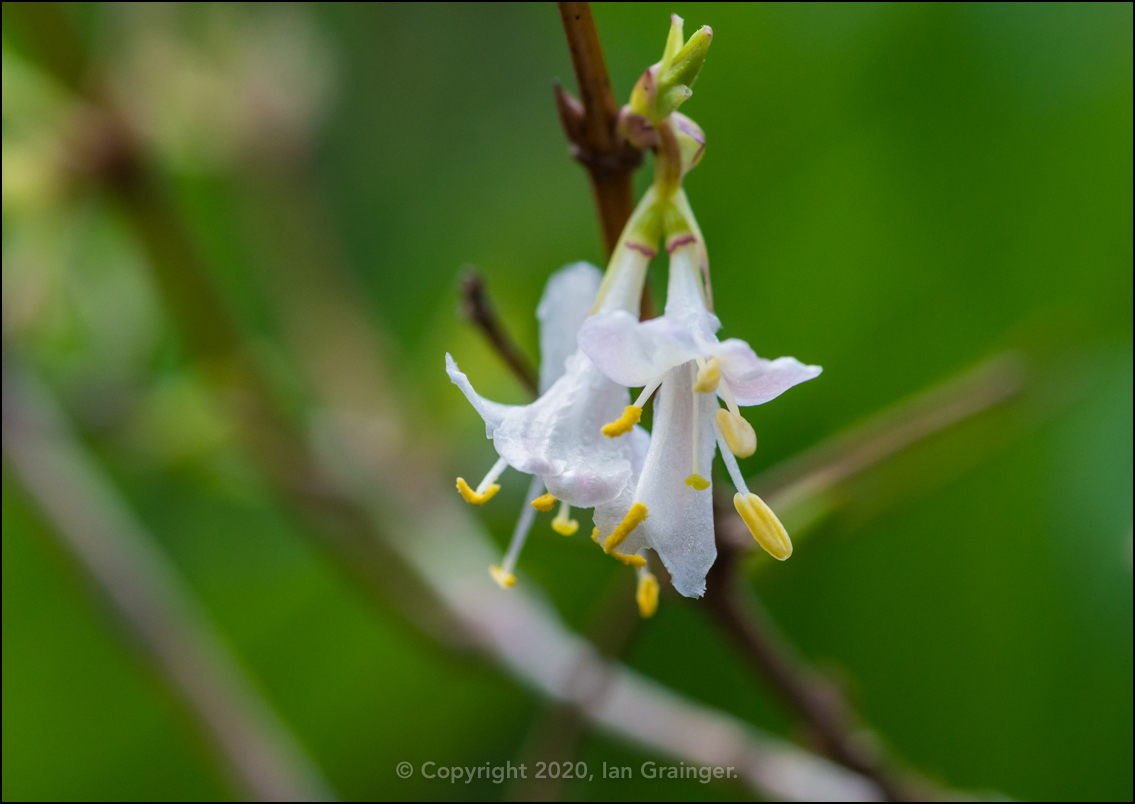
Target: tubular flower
665	511
557	438
680	356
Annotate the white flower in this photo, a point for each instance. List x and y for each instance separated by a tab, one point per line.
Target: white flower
558	437
679	355
664	512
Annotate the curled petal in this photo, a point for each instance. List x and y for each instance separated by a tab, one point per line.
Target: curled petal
754	380
492	412
632	353
568	298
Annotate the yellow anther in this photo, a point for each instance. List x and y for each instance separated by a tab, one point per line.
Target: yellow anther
647	594
738	433
764	525
595	535
472	496
697	481
632	520
708	377
632	560
564	526
544	502
504	579
625	423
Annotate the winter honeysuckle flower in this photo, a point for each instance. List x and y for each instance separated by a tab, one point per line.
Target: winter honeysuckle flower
558	437
679	354
663	511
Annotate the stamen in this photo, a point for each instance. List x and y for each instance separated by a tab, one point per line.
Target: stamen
727	394
625	423
764	525
698	482
544	503
708	376
472	496
504	579
486	488
632	520
631	560
647	594
562	524
647	391
739	434
503	573
595	535
730	462
491	478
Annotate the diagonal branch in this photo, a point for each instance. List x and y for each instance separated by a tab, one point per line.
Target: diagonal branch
817	702
478	308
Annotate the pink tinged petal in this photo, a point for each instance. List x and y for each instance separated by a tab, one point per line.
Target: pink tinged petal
754	380
679	525
569	296
559	437
634	354
492	412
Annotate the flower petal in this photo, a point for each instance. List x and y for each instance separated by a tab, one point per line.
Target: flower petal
754	380
633	353
679	525
569	296
492	412
559	436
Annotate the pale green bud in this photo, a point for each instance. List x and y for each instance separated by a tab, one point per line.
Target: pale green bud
683	71
666	85
674	42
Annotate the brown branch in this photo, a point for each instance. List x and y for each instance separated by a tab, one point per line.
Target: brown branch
591	125
817	702
478	308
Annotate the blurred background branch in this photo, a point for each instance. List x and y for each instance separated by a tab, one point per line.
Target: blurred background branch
478	308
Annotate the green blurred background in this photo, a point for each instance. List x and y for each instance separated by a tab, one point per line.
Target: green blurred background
895	192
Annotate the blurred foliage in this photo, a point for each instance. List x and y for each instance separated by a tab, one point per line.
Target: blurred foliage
893	191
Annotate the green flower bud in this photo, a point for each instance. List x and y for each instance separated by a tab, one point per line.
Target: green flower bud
666	85
688	61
